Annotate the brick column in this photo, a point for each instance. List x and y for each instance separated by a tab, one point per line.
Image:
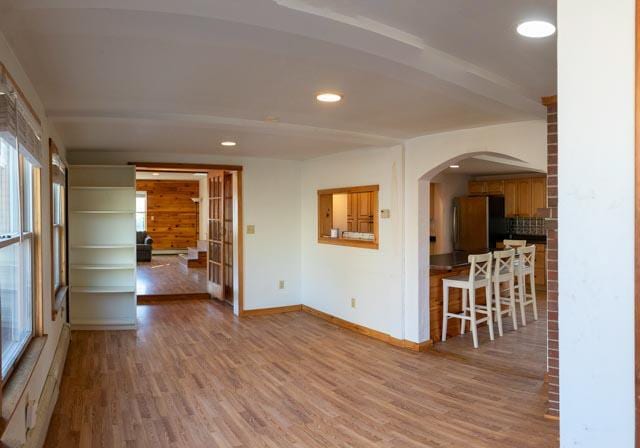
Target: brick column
553	379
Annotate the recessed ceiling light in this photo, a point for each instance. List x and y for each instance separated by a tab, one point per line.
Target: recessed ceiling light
536	29
199	174
155	174
329	97
454	166
228	143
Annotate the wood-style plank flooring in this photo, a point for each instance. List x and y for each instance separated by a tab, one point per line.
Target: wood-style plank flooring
164	275
196	376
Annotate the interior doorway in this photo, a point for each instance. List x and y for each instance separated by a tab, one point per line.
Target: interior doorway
194	257
471	205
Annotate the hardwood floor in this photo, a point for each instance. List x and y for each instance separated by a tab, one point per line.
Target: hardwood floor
196	376
522	352
164	275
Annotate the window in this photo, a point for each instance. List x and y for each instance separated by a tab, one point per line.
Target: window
141	210
17	176
348	216
58	228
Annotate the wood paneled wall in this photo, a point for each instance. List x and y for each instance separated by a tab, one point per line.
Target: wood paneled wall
172	217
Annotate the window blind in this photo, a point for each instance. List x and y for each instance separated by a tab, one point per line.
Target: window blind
19	128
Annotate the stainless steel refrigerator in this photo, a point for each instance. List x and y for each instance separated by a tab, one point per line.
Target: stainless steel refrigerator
478	222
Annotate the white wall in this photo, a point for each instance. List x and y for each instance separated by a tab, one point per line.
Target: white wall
596	193
271	196
332	275
16	428
449	186
428	155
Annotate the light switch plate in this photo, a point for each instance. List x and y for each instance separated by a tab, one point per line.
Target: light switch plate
251	229
385	213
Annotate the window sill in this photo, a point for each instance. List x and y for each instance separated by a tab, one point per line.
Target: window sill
59	301
363	244
17	383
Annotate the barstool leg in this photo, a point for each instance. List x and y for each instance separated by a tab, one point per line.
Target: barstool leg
512	303
445	311
496	287
463	324
533	296
472	312
487	290
522	295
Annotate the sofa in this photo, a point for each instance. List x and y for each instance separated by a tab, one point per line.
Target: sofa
144	245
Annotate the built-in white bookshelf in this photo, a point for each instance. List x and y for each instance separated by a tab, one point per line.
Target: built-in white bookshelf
102	250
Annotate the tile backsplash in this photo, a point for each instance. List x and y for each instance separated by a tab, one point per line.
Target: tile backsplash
526	226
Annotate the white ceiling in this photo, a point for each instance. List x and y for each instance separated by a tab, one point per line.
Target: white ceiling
489	165
167	76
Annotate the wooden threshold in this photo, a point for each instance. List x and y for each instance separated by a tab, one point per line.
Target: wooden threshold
154	298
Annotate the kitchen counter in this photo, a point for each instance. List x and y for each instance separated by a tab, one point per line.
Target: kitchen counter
452	260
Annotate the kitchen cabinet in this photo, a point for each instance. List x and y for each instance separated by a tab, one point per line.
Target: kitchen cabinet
477	187
495	187
510	198
360	212
538	194
523	196
540	272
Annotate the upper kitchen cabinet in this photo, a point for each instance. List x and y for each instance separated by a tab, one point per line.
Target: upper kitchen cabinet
538	194
482	187
477	187
510	198
495	187
523	196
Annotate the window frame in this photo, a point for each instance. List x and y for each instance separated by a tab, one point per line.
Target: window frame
58	292
144	213
18	239
340	241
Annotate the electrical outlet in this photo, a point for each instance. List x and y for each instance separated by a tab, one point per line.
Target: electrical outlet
281	284
353	302
251	229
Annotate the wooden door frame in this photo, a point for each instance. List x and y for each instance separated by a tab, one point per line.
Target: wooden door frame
199	167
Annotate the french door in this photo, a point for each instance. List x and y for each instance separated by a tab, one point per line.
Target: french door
215	256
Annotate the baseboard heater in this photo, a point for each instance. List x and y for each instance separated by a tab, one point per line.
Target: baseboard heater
49	396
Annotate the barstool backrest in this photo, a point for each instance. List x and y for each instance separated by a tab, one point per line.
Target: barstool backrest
480	266
527	257
503	262
514	243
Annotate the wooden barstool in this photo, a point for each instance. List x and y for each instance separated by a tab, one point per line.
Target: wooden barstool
479	277
525	266
504	272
